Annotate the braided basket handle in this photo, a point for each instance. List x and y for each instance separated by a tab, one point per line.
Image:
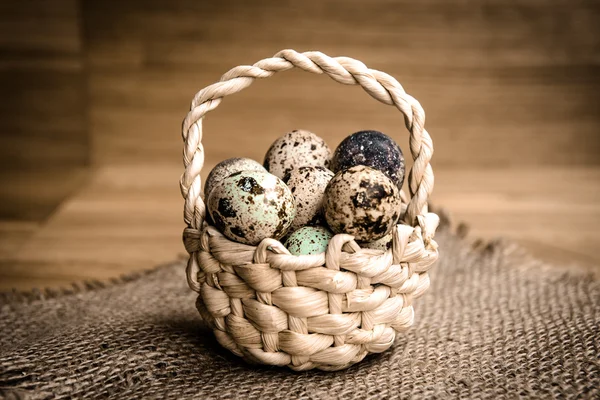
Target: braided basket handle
348	71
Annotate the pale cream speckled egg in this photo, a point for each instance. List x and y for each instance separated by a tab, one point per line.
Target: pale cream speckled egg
296	149
308	187
250	206
227	167
363	202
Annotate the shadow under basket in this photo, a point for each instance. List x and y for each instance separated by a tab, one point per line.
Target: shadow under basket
325	311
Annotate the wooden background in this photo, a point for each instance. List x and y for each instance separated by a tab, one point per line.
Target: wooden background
95	93
502	82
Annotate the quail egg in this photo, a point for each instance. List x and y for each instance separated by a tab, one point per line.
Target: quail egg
309	240
295	149
226	168
308	187
373	149
363	202
249	206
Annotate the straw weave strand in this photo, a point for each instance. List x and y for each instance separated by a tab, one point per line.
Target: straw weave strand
325	311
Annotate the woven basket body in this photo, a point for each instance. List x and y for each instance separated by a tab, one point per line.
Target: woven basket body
325	311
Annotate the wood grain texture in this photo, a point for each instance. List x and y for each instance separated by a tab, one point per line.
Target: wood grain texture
44	146
43	111
30	195
503	83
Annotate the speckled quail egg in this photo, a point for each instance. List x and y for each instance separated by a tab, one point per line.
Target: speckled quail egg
295	149
373	149
309	240
228	167
249	206
385	243
308	187
362	202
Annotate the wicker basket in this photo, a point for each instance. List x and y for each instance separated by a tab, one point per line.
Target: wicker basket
325	311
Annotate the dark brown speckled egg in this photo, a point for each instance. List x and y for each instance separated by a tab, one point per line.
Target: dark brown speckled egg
250	206
298	148
308	184
373	149
363	202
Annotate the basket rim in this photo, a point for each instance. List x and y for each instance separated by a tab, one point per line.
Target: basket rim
412	245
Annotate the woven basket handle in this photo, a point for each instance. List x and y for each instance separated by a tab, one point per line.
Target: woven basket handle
348	71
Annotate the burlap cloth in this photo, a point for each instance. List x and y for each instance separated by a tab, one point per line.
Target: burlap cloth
494	324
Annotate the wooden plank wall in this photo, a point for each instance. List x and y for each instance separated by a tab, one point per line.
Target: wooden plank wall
42	75
503	82
44	143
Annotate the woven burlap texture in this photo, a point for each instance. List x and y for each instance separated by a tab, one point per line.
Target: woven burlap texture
324	311
494	324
